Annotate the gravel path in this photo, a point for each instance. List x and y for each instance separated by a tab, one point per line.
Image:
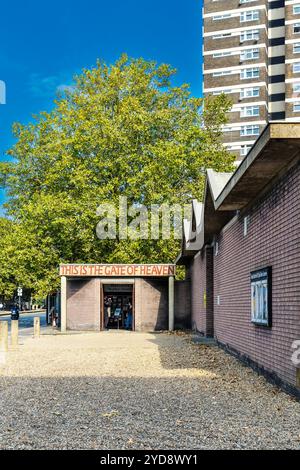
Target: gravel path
121	390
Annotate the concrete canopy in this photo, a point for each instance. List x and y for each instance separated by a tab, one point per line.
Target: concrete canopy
274	152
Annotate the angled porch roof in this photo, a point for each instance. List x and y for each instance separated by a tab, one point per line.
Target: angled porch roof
275	151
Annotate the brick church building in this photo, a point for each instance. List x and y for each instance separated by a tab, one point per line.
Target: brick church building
242	255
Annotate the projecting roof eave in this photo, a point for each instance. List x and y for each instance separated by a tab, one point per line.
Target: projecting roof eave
214	220
187	253
192	240
217	182
184	259
189	250
277	148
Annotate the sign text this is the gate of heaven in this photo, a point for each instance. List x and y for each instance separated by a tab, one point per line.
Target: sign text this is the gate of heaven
117	270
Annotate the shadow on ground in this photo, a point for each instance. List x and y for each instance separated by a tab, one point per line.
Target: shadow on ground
137	413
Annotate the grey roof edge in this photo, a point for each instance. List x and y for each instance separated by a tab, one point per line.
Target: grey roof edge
221	184
192	241
217	181
273	130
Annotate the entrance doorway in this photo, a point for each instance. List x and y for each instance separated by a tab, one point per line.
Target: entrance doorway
118	306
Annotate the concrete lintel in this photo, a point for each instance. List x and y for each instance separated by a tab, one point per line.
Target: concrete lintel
113	280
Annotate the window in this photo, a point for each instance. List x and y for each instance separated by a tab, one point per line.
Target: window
261	297
249	73
296	107
244	150
250	111
222	54
296	48
296	88
222	17
249	16
250	54
249	93
296	9
296	28
252	35
296	67
249	130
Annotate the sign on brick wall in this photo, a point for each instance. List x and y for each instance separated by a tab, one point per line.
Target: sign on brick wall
261	296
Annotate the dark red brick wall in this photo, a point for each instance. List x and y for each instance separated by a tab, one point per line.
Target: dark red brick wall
83	304
273	240
198	290
182	302
151	304
202	292
209	253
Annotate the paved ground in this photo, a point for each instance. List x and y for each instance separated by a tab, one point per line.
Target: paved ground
121	390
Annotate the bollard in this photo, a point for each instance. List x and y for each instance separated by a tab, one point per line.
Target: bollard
37	327
14	333
3	336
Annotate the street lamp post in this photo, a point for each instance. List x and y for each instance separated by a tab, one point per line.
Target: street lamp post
20	293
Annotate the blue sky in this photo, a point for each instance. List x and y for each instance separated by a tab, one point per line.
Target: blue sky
43	44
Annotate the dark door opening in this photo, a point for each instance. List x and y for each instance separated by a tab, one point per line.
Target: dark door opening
118	306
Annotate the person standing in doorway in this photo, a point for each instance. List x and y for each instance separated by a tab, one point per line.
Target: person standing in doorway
128	321
107	311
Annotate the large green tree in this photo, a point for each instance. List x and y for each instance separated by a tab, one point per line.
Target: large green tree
124	130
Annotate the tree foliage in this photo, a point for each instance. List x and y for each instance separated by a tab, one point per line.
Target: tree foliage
124	130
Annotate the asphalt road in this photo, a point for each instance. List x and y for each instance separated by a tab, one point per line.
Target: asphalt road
26	322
